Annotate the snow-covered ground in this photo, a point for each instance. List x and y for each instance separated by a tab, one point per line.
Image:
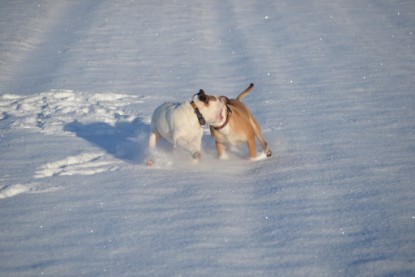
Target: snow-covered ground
334	94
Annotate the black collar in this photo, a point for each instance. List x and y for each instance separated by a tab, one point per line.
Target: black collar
199	115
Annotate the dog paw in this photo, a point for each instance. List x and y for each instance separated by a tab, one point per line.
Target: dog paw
224	156
150	162
262	155
196	156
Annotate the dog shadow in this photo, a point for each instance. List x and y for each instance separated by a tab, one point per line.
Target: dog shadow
125	140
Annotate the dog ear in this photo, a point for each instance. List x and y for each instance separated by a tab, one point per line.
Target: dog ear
225	99
202	96
201	92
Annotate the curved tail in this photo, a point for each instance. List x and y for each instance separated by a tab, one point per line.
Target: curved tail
245	92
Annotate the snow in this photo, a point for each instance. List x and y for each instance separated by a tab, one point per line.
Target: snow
334	95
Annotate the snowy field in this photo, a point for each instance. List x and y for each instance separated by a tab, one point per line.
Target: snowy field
334	94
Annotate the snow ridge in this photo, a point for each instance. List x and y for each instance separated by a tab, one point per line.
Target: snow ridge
82	164
48	112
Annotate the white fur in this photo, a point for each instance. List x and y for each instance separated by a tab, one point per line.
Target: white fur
178	124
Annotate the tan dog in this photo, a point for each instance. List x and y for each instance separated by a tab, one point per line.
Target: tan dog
238	126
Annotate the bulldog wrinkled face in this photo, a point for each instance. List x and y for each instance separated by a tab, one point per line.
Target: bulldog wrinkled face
210	106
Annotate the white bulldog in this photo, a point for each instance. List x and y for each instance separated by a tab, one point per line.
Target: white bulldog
182	123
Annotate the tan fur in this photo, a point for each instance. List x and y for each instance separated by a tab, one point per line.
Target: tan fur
241	128
245	92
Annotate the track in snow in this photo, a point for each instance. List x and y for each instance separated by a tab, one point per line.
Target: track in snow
333	94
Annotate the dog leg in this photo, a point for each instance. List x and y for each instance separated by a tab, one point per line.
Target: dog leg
192	146
152	141
220	149
267	151
258	133
252	147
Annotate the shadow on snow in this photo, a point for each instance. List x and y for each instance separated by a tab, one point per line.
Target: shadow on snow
125	140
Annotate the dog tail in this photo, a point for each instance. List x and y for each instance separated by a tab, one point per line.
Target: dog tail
245	92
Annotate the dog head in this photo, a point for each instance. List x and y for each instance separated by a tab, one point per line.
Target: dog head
210	107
